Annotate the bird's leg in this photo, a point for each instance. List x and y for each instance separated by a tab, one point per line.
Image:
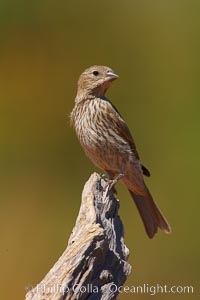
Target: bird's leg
115	180
112	180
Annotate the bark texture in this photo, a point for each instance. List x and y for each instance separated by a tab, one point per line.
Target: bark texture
94	263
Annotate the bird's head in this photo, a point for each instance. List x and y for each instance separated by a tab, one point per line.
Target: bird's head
96	80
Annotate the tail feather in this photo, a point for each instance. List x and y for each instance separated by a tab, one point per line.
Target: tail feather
150	214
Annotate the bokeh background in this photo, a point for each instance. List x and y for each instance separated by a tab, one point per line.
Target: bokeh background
44	45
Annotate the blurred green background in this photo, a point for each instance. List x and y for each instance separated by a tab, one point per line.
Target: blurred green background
44	45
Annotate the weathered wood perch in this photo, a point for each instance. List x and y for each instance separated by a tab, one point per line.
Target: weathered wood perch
94	263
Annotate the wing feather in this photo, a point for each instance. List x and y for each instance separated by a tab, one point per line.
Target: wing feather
124	131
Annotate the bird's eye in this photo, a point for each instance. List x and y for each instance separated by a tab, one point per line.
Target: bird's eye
95	73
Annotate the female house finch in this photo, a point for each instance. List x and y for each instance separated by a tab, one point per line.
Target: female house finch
108	143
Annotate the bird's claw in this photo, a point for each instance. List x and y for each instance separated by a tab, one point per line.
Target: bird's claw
111	183
115	180
104	176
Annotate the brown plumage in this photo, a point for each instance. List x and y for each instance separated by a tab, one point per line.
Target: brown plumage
108	143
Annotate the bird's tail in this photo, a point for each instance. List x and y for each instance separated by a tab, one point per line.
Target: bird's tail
150	214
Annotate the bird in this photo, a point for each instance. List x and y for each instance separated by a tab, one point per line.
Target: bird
108	143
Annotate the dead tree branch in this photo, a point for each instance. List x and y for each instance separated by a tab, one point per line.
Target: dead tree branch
94	263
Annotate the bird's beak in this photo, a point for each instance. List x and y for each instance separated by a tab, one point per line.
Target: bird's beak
111	75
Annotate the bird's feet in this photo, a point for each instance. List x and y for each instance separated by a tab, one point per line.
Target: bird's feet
110	183
104	176
115	180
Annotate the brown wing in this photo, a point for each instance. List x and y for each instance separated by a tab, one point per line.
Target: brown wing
124	132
